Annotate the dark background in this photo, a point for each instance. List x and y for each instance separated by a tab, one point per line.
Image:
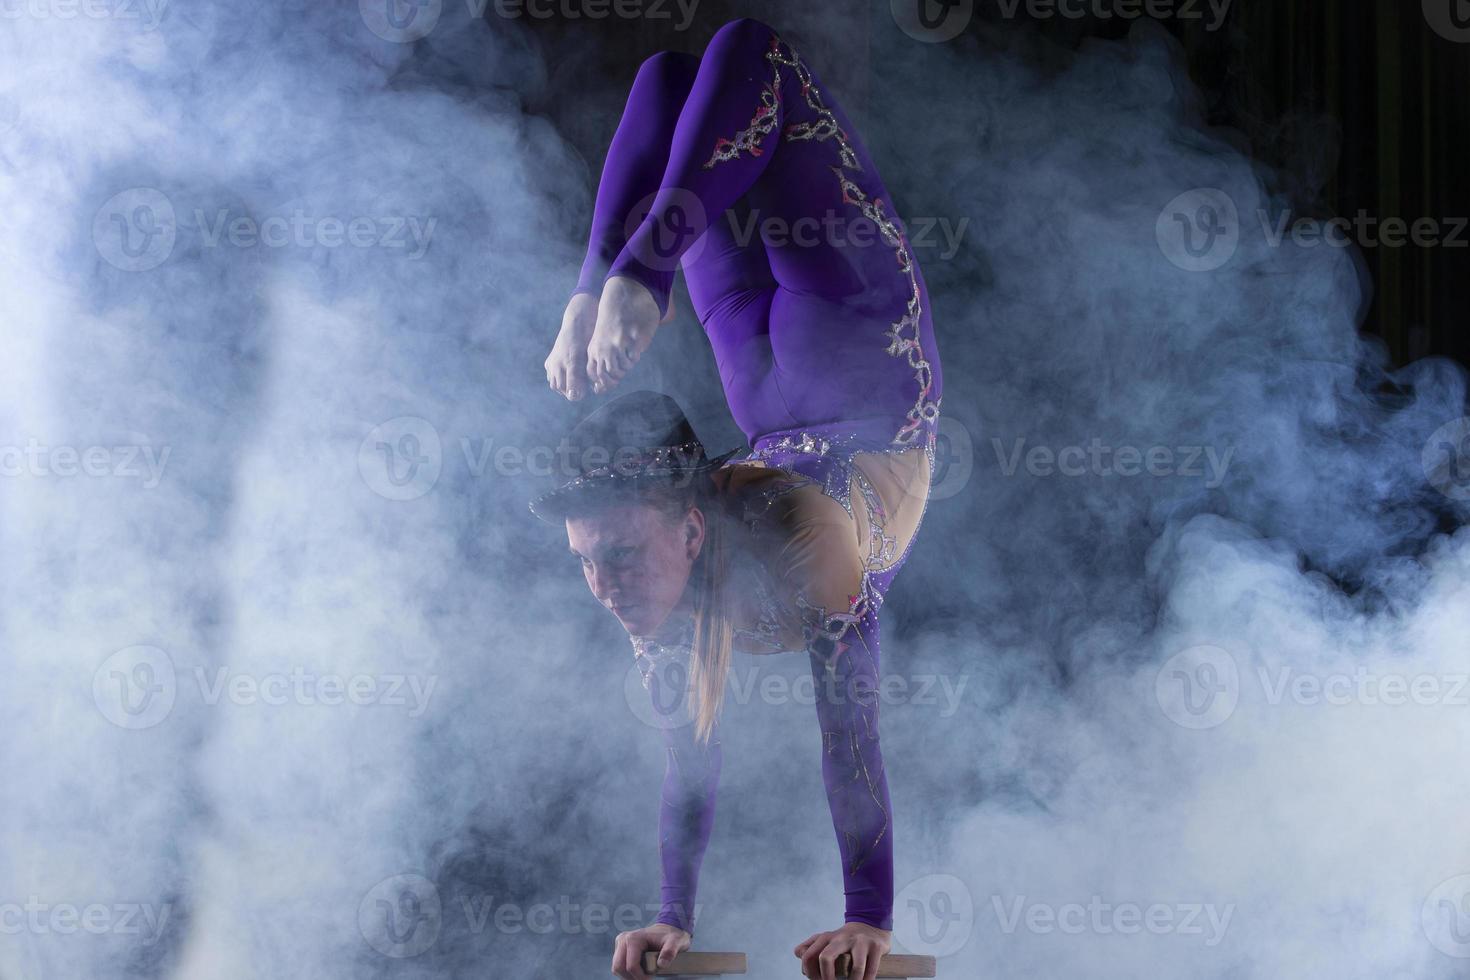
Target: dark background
1358	101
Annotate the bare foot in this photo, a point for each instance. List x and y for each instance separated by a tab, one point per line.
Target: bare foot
566	365
627	318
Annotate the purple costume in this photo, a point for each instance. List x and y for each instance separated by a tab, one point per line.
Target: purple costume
739	168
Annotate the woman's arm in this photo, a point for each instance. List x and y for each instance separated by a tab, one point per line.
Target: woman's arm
691	778
844	662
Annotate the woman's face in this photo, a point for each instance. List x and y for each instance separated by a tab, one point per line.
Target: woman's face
636	561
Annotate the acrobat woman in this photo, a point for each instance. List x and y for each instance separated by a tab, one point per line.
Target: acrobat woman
740	168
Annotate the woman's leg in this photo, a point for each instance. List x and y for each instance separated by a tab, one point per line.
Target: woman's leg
848	321
726	134
728	275
636	158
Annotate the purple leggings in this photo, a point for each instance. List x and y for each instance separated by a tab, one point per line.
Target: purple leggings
739	168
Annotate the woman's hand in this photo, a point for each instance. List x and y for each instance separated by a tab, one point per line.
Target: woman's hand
866	943
627	961
566	365
627	317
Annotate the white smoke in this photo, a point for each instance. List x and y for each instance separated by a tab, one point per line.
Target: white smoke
300	689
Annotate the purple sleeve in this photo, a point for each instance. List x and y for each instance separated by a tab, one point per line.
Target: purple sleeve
723	140
846	675
686	810
852	771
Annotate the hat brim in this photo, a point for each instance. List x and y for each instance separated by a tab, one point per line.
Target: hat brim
552	506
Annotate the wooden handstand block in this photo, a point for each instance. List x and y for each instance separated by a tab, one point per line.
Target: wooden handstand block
892	965
696	965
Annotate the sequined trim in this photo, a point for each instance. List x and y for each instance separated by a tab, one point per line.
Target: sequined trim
653	461
672	645
766	629
748	140
841	447
880	544
846	745
903	333
825	634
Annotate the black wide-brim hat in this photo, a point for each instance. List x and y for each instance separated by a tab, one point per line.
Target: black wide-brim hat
634	440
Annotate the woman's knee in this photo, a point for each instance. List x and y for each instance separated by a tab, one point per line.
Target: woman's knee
668	71
743	32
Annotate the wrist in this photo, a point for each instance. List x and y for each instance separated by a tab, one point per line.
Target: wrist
883	925
674	921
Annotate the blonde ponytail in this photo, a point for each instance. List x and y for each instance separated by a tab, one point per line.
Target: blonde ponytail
714	632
